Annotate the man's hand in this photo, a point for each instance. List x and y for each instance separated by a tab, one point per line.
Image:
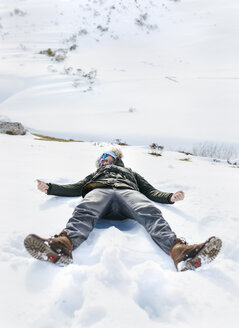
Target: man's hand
178	195
42	186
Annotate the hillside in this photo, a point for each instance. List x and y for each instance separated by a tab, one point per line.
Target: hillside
142	71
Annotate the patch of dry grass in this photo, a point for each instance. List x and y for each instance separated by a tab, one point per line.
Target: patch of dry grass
48	138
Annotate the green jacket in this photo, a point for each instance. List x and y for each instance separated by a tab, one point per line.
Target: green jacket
115	175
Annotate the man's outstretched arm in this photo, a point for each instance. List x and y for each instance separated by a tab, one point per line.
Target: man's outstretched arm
69	190
156	195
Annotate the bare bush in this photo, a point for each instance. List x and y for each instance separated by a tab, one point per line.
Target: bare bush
156	149
59	54
120	142
215	150
18	12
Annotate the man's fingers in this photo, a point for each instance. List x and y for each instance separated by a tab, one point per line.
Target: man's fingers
40	183
42	186
180	193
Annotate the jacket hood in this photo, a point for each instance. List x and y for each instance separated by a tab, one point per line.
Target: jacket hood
118	160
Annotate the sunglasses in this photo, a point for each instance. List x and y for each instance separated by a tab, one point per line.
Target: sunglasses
104	155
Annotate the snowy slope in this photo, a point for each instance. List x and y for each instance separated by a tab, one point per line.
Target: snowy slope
119	278
143	71
172	62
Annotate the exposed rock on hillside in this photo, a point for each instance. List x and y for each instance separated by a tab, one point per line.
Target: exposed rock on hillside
13	128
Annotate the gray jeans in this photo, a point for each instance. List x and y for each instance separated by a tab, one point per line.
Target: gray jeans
120	204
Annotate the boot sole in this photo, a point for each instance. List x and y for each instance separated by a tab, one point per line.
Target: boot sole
41	251
206	255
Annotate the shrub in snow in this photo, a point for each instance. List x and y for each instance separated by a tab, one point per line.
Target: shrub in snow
18	12
132	110
156	149
185	152
82	32
73	47
186	159
215	150
141	22
48	52
234	161
120	142
102	29
58	55
14	128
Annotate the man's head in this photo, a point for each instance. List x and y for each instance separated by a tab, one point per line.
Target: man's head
114	156
107	158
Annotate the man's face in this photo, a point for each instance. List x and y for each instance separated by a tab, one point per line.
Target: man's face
107	161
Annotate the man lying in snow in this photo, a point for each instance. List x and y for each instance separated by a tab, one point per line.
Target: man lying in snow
116	192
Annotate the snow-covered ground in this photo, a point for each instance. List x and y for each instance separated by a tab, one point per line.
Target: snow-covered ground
148	70
119	278
141	71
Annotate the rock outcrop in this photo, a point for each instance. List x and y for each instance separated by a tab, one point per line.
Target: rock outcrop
12	128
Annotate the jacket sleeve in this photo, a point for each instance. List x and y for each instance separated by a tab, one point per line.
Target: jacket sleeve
68	190
153	194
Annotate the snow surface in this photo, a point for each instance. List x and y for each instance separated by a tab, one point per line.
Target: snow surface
120	277
164	69
151	71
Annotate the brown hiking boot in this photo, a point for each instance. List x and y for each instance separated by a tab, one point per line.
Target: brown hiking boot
191	257
57	249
